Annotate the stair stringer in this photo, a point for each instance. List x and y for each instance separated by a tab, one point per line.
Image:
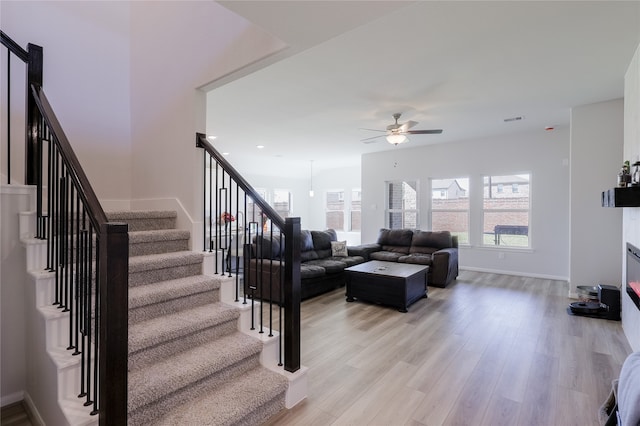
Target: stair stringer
53	371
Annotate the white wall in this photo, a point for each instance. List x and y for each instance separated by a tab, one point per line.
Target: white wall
86	79
596	159
13	200
177	47
544	154
631	215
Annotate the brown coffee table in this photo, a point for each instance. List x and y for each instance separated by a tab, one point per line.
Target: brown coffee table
389	283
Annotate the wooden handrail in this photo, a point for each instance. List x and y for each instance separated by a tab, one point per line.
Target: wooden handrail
13	47
97	214
202	142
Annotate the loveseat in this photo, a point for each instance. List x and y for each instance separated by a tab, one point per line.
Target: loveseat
322	263
436	249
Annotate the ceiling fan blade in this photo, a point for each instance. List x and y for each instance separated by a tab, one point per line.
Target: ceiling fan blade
370	141
373	130
424	132
371	138
406	126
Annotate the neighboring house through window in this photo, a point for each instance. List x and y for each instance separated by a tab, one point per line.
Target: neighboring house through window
450	207
402	204
506	210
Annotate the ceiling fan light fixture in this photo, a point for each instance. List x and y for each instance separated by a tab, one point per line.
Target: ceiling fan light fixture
396	138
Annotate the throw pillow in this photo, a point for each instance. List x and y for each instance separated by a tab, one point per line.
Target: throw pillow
339	249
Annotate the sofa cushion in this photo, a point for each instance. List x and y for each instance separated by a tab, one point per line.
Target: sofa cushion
388	256
417	259
330	266
349	260
430	241
267	247
395	240
308	271
322	242
307	251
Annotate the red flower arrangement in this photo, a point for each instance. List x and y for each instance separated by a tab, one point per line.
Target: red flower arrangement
226	218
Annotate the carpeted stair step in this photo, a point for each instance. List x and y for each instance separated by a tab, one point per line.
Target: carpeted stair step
159	338
147	220
168	297
160	387
163	267
256	397
143	243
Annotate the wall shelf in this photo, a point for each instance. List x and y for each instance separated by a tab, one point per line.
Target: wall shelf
621	197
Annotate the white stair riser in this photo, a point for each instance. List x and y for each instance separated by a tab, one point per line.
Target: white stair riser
45	288
27	224
36	254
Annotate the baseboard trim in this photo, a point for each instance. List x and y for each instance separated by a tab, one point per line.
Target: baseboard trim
32	411
516	273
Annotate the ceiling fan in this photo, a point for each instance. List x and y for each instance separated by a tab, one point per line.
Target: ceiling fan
397	133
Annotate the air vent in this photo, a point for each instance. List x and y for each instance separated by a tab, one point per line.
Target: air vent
510	119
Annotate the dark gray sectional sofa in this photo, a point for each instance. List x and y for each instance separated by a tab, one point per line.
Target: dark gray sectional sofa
320	271
436	249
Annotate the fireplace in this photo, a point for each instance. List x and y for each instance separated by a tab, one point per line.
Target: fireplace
633	273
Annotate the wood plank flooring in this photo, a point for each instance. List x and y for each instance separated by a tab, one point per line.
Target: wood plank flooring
15	415
487	350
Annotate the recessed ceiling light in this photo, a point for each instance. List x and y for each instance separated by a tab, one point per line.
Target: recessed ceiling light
211	137
225	153
259	146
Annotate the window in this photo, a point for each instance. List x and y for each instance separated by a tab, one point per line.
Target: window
356	209
253	211
282	202
450	207
402	204
335	209
506	211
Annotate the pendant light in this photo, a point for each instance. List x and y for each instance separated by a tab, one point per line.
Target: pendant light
311	179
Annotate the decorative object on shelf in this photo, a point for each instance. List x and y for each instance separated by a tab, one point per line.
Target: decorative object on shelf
635	180
226	218
624	177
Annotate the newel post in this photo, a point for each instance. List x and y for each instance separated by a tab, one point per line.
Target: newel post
292	295
34	78
114	313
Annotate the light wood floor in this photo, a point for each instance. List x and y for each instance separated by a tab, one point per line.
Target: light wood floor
488	350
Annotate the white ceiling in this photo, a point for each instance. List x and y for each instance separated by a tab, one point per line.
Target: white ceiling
460	66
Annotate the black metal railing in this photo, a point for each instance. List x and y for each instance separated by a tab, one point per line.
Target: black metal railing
87	255
236	220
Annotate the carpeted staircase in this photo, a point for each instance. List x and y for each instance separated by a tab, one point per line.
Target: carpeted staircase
188	363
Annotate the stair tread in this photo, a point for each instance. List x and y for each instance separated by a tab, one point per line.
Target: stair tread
249	392
163	260
158	235
140	214
173	326
176	372
161	291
